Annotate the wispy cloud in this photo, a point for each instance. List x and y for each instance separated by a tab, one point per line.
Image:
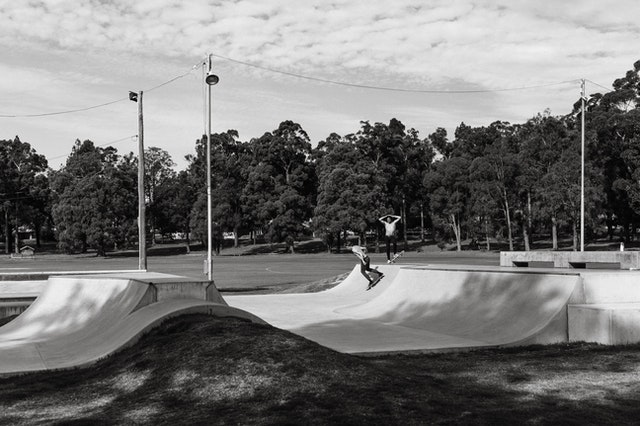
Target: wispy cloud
445	40
61	53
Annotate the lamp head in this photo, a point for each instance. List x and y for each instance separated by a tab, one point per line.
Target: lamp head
211	79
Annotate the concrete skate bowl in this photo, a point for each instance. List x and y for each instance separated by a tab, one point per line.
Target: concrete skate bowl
417	309
78	320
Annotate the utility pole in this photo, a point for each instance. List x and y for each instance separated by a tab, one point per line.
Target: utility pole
211	80
142	234
209	202
582	99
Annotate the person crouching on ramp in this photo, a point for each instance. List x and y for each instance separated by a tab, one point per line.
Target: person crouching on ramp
365	266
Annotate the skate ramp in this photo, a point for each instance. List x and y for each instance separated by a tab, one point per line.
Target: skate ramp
78	320
425	308
496	308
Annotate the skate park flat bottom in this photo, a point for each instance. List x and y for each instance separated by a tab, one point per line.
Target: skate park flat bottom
437	308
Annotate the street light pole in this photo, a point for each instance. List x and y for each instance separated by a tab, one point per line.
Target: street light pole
582	98
210	79
142	235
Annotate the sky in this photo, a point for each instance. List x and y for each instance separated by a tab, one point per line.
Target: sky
66	67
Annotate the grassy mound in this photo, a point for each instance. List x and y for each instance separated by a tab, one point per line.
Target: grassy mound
198	369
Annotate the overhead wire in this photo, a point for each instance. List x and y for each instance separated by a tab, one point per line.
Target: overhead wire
46	114
200	64
392	89
599	85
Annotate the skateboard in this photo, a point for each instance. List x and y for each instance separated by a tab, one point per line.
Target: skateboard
396	256
374	282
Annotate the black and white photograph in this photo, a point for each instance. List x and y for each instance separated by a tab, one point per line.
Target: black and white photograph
337	212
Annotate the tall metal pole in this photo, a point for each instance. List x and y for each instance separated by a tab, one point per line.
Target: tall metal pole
142	237
582	97
209	206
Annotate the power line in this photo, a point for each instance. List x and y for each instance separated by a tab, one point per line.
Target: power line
599	85
392	89
193	68
46	114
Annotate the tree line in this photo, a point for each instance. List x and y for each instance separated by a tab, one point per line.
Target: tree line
513	182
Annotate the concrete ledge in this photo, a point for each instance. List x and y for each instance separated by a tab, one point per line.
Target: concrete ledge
572	259
607	324
179	288
44	275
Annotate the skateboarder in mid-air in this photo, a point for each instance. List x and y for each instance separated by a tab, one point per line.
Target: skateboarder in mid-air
365	266
389	221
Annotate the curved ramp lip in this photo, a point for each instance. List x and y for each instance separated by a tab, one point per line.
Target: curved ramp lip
78	320
147	318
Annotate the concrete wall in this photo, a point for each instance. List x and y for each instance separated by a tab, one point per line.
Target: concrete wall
607	324
572	259
180	288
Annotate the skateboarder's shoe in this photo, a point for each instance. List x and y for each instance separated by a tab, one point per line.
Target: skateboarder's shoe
374	282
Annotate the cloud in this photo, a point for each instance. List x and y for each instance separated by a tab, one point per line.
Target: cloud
437	43
61	54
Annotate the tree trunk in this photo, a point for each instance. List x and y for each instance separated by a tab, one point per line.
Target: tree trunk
37	231
455	226
525	237
236	237
7	231
422	223
17	244
554	232
486	234
575	236
508	217
404	224
529	221
153	227
339	242
188	241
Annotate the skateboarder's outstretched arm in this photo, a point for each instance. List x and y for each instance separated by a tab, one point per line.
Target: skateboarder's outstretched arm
383	219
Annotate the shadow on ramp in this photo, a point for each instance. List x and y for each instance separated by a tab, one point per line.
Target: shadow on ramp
78	320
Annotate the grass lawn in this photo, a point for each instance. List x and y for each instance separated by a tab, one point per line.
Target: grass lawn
198	369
